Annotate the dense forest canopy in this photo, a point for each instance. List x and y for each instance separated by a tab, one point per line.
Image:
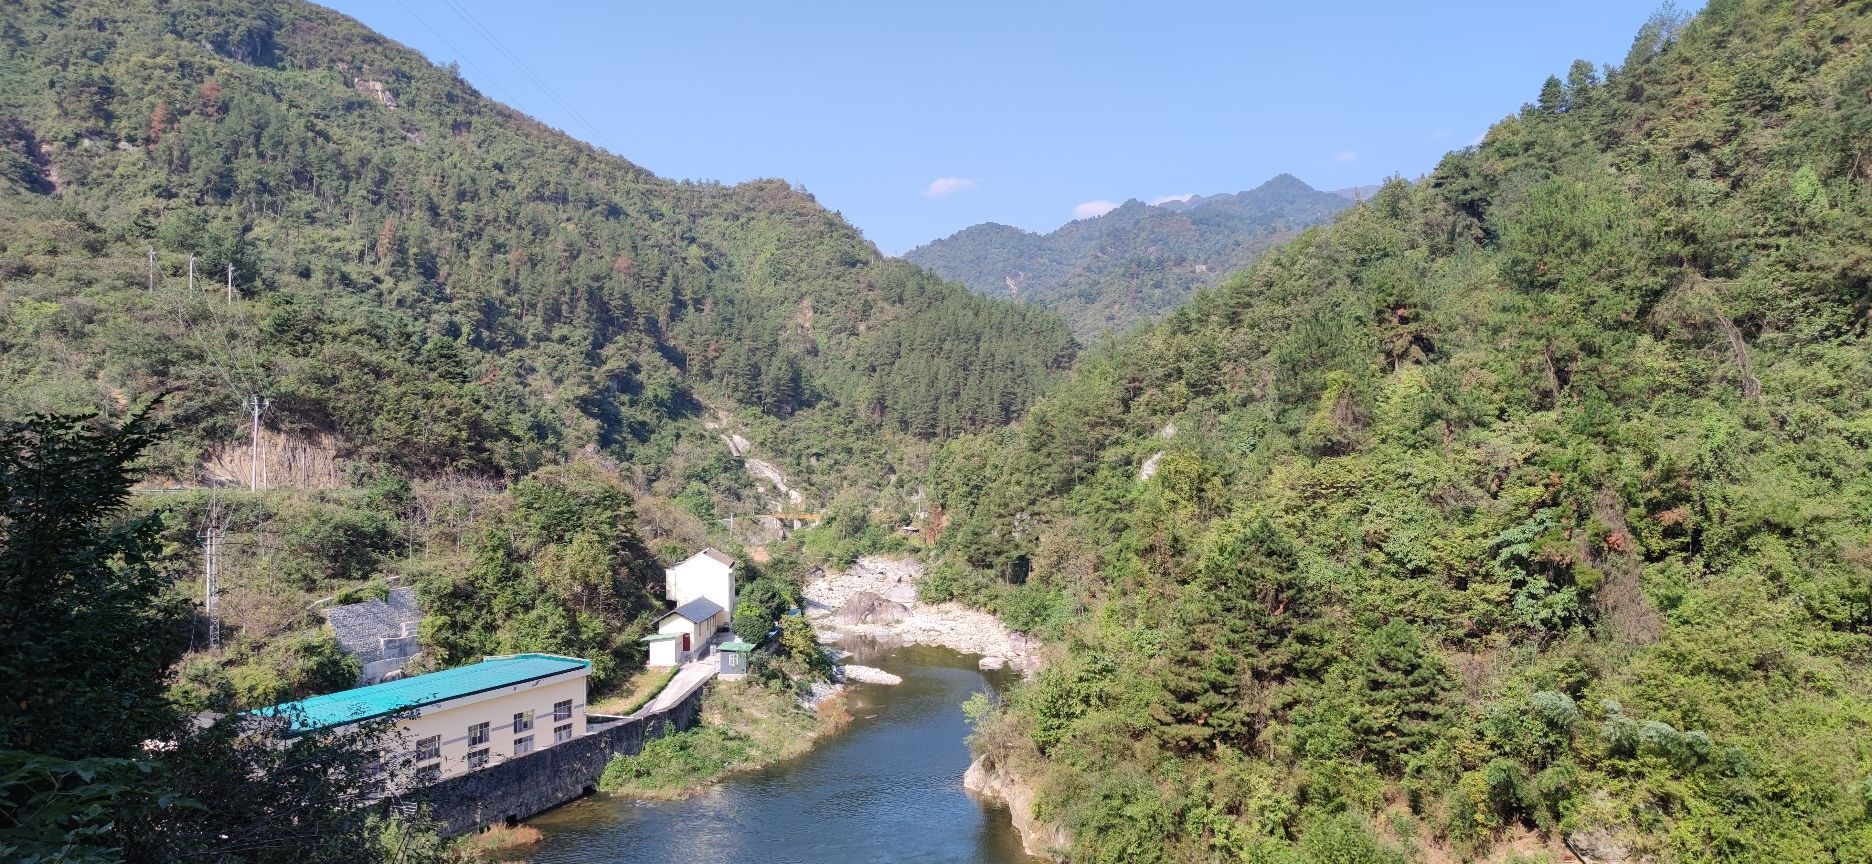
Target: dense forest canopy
1528	502
499	365
1135	263
431	278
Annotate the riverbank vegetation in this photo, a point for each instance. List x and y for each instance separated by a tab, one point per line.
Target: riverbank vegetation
1534	496
745	725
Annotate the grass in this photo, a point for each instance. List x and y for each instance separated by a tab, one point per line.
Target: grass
745	725
635	693
496	842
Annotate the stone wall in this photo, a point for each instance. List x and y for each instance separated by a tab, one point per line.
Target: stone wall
519	788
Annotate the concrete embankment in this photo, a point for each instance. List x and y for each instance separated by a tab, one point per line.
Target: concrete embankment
518	788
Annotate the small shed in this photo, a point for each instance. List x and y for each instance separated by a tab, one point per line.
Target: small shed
734	657
691	625
662	647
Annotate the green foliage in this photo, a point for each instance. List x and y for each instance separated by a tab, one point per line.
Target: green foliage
745	725
1379	524
799	645
305	664
427	280
566	574
86	631
87	641
761	602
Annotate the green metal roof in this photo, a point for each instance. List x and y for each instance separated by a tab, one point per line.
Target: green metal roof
736	645
389	697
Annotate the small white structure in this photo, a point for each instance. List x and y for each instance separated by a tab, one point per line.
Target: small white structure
703	588
665	649
687	631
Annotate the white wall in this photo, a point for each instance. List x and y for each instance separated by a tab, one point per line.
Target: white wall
450	721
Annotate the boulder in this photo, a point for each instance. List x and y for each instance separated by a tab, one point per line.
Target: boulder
991	663
865	607
1601	845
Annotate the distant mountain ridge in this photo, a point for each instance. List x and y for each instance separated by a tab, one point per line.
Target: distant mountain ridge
1134	263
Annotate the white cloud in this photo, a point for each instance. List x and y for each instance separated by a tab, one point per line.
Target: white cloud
1345	156
1090	209
1165	199
949	185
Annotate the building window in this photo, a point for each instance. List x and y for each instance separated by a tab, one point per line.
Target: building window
428	773
429	748
523	746
477	734
477	759
562	734
523	722
562	710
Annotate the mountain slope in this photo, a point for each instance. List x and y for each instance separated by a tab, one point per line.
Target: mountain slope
1132	264
424	276
1527	505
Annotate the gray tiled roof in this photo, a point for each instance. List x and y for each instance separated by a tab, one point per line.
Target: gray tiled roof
698	610
363	629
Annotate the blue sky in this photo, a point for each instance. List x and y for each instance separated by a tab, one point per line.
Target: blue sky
916	120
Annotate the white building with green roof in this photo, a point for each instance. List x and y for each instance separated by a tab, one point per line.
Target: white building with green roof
462	719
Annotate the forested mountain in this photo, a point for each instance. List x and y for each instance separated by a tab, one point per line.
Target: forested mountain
427	276
500	365
1135	263
1528	504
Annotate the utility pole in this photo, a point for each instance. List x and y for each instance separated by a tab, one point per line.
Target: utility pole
212	536
256	405
230	284
191	272
152	269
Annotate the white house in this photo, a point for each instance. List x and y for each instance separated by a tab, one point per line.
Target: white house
707	573
704	592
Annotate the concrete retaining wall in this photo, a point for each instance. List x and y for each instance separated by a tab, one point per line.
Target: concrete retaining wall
519	788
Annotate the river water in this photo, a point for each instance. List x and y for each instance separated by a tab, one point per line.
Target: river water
887	788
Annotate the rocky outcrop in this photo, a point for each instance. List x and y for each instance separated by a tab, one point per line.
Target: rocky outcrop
949	625
870	675
865	607
1604	846
996	782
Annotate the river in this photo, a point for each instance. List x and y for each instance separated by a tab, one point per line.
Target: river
887	788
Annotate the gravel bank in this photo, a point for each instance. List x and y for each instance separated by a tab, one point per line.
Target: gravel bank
902	617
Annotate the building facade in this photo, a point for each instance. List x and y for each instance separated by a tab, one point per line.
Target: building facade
703	588
459	720
707	573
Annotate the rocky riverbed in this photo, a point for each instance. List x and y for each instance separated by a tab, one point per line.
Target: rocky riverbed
877	597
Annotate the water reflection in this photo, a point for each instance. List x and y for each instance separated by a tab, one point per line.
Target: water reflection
887	789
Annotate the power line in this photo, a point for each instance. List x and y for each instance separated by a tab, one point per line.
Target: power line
505	96
597	137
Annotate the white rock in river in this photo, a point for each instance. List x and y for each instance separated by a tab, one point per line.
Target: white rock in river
870	675
991	663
